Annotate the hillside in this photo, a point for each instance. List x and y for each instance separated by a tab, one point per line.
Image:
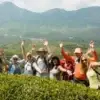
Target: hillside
18	21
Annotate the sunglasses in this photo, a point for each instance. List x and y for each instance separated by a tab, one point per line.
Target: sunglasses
15	59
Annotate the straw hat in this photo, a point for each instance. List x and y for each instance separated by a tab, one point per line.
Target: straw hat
41	50
78	50
28	54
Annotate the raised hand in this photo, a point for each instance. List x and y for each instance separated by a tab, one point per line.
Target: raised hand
1	52
45	43
33	47
22	43
91	47
61	45
91	44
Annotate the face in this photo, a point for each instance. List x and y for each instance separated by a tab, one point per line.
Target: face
15	60
55	61
42	54
84	60
78	54
29	57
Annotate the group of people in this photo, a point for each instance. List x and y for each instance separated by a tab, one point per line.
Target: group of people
79	68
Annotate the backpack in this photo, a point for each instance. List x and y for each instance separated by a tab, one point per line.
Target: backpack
33	69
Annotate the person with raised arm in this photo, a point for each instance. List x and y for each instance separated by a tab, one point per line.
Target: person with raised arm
3	63
30	67
43	58
49	54
93	70
67	64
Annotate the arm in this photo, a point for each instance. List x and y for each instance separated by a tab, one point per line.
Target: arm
92	51
46	44
65	54
33	49
36	68
62	69
48	49
23	50
5	61
95	57
94	64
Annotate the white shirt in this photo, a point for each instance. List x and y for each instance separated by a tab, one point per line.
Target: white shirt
53	72
28	68
41	64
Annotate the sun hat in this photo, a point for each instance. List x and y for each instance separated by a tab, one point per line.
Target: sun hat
41	50
28	54
14	56
78	50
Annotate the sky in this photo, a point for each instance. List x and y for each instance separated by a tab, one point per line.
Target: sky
43	5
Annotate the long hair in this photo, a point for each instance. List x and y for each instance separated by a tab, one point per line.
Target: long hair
55	58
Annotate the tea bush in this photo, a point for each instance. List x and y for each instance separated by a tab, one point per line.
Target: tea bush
34	88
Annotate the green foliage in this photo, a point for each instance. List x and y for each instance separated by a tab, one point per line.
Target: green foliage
34	88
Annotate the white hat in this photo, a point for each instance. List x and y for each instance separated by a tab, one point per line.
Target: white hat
14	56
78	50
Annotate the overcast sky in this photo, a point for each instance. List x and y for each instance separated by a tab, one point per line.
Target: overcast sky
43	5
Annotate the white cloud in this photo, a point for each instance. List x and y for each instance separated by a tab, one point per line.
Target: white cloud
42	5
77	4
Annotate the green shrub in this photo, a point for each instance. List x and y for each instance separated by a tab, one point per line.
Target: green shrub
34	88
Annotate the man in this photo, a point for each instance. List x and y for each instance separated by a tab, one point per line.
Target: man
42	62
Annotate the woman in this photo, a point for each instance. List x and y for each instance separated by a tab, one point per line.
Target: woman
15	65
81	71
30	67
92	74
69	66
56	68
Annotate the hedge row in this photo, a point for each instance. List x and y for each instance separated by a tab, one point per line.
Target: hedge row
34	88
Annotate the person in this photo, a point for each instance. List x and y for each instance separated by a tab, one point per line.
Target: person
1	60
30	67
42	63
49	54
92	75
15	65
56	68
3	65
68	65
79	75
93	72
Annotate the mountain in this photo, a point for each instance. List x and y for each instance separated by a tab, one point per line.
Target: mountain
15	20
10	12
83	17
